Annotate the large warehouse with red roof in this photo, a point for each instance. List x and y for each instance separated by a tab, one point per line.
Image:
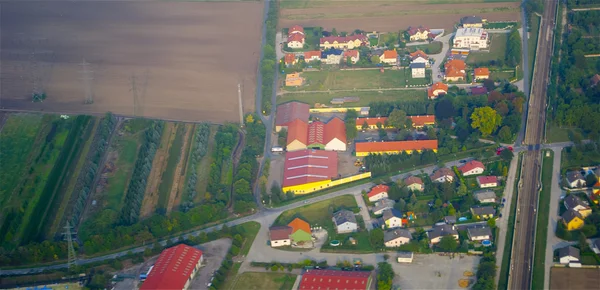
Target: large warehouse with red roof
174	269
335	279
308	169
288	112
394	147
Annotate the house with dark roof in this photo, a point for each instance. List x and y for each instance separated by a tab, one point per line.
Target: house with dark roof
483	212
419	33
450	220
575	179
345	222
572	220
417	70
392	218
378	192
344	42
485	196
575	203
472	167
414	183
181	259
471	22
288	112
382	205
332	56
568	255
442	175
436	233
479	233
479	91
487	181
396	237
280	236
394	147
335	279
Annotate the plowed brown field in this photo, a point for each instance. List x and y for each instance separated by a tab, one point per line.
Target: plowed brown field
186	58
392	15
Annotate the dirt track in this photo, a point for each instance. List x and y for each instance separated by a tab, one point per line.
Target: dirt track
387	16
194	55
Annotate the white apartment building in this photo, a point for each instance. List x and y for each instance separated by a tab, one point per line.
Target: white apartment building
471	38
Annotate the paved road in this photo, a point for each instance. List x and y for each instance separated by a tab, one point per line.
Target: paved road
439	58
524	238
553	242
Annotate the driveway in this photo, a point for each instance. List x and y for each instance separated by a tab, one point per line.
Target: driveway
214	253
433	271
364	211
439	58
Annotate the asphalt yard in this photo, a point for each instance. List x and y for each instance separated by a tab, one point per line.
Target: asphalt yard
433	271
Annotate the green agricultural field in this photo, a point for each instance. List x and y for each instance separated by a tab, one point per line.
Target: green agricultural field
497	50
318	213
365	97
259	281
203	166
164	189
356	79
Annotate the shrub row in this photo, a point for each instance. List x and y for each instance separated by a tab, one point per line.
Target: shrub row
198	151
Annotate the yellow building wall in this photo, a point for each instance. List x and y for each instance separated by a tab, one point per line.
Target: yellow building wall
361	154
374	127
334	110
585	213
319	185
295	145
575	224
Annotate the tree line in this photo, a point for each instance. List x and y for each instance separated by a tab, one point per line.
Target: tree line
247	168
218	188
268	64
199	150
137	185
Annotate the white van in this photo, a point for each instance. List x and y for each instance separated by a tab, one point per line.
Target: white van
277	149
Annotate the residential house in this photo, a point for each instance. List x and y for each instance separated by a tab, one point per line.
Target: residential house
479	233
371	123
442	175
396	237
481	73
297	139
288	112
596	246
483	212
487	181
479	90
414	183
313	55
300	231
354	55
594	80
455	70
335	279
382	205
404	257
418	33
389	57
471	38
437	89
436	233
345	222
575	179
575	203
422	120
344	42
289	59
568	254
417	70
293	80
332	56
471	22
296	29
595	196
485	196
392	218
572	219
280	236
296	41
378	192
394	147
472	167
419	57
450	220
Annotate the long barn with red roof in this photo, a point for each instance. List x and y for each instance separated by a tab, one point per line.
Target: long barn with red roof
335	279
174	269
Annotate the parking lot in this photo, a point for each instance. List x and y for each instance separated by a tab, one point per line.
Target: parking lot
213	252
433	271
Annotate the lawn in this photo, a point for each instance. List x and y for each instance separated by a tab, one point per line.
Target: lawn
497	50
585	158
164	189
542	222
259	281
356	79
560	134
318	213
533	40
365	97
434	47
503	75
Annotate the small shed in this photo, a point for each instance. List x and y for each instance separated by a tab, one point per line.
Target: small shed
405	257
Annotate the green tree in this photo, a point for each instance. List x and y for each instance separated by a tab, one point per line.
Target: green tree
398	119
448	244
385	276
507	155
462	189
375	59
365	125
376	238
486	120
451	209
350	121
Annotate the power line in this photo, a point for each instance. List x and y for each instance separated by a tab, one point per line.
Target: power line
71	250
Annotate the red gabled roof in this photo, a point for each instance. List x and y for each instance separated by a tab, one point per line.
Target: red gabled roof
290	111
299	224
456	64
487	179
343	39
295	29
390	146
442	172
482	71
414	30
306	166
412	180
470	166
316	133
378	189
351	53
173	268
335	129
371	121
416	54
297	130
280	233
390	54
312	53
334	279
289	58
296	37
420	121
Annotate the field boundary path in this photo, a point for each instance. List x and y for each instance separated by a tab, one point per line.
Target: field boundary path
235	159
179	174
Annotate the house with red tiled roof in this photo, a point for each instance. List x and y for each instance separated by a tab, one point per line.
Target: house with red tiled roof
289	59
313	55
422	121
389	57
481	73
344	42
455	70
419	57
442	175
472	167
335	279
181	259
307	169
354	55
295	40
436	90
297	138
487	181
414	183
418	33
279	236
288	112
378	192
394	147
296	29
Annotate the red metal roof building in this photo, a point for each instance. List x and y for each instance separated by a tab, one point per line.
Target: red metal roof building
394	147
422	121
334	279
335	135
308	166
288	112
174	269
316	135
